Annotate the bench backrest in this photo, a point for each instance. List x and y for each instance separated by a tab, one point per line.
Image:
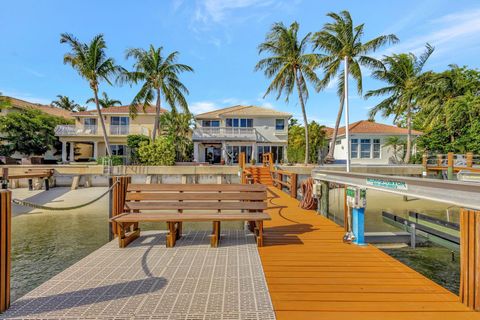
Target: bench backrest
186	197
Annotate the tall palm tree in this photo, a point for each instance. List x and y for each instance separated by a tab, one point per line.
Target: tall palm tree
105	102
66	103
289	66
341	41
159	76
92	64
402	73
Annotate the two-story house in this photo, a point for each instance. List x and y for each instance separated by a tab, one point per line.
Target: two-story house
84	139
222	134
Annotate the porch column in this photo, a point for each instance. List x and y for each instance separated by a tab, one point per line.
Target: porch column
254	146
95	150
64	151
72	152
195	151
224	152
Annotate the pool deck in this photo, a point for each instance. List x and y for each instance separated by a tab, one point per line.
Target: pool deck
304	271
312	274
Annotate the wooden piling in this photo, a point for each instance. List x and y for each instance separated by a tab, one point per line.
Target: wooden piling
469	292
450	165
324	199
293	185
5	247
469	157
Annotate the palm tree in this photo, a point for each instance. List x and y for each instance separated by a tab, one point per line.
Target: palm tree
289	66
105	102
341	41
396	144
402	73
66	103
92	64
159	78
178	126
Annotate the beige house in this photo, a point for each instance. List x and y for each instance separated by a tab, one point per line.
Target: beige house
84	140
221	135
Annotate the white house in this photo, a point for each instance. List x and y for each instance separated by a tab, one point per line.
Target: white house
222	134
367	141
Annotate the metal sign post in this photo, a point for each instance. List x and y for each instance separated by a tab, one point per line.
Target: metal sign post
357	200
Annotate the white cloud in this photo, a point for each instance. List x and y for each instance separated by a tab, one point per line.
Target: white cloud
219	10
450	32
34	72
202	106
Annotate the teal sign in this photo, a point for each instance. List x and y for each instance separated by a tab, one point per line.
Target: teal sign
387	184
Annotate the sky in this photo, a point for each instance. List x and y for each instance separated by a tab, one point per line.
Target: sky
219	39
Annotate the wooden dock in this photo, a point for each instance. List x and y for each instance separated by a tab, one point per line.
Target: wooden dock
312	274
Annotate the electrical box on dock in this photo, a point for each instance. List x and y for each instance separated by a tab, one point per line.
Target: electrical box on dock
356	197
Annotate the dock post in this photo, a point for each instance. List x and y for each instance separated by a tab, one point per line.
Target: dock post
413	236
324	198
358	226
5	247
450	166
469	159
469	258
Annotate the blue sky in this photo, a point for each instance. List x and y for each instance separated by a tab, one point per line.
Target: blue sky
219	39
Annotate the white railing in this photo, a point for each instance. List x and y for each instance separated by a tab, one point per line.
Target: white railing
72	130
224	133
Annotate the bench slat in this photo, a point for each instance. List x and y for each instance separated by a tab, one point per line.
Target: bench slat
137	196
144	205
181	217
197	187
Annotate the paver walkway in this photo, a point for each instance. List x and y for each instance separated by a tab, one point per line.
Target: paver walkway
312	274
148	281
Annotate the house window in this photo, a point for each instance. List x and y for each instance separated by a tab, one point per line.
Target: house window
239	123
234	151
279	124
119	125
90	125
90	121
376	148
365	148
211	123
277	152
353	148
119	150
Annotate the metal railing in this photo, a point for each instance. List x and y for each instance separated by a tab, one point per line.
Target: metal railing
224	133
72	130
119	130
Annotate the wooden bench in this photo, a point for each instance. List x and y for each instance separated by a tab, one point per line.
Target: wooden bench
178	203
30	174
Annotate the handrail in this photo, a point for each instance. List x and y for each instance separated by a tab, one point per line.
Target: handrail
290	183
452	163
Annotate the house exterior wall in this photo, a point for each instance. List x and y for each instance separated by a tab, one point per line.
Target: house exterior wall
386	153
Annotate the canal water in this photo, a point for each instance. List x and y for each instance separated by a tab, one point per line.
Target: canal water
45	243
438	263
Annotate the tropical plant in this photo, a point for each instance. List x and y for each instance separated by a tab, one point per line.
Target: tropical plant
178	127
112	160
160	152
64	102
159	77
289	66
30	132
133	143
296	141
341	41
4	102
92	64
105	102
397	145
402	73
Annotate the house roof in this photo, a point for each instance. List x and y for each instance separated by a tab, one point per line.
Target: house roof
54	111
117	110
370	127
242	111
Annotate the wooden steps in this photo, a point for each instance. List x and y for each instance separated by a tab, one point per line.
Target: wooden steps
261	175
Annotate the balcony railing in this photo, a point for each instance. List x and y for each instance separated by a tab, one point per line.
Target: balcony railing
224	133
91	130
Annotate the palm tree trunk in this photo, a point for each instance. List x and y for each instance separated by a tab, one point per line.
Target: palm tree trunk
331	150
156	127
305	121
102	122
409	135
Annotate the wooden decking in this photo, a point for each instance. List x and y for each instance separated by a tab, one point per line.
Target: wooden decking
312	274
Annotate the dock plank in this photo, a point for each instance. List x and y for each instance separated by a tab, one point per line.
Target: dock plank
312	274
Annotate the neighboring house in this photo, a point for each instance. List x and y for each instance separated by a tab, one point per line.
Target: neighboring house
85	141
367	141
222	134
18	105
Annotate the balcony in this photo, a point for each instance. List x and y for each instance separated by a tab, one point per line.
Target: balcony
224	133
91	130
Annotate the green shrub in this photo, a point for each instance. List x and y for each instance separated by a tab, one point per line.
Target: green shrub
116	160
159	153
133	143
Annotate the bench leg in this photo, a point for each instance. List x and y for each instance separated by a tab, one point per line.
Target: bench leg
215	235
259	234
172	234
124	239
251	226
179	230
